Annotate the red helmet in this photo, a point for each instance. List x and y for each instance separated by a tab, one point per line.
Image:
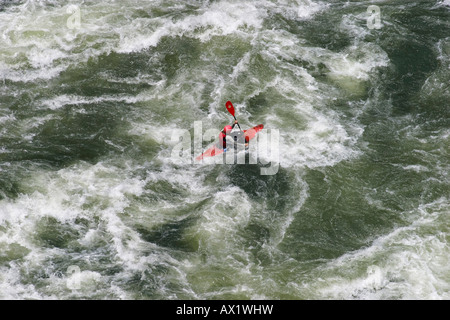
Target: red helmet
227	128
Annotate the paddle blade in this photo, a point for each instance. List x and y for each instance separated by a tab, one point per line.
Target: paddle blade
230	107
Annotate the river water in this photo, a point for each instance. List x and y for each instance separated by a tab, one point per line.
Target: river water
93	205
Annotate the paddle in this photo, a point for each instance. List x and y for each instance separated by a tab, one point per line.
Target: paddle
230	109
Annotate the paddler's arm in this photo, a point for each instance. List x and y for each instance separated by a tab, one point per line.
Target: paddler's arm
236	123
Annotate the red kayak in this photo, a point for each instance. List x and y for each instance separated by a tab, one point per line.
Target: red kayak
214	150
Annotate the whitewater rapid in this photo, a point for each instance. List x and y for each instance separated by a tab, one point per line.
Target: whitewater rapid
93	205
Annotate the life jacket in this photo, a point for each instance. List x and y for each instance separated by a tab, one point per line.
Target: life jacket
223	139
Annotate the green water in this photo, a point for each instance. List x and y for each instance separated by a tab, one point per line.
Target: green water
93	205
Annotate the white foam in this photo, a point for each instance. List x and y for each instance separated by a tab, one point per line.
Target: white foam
63	100
358	61
220	18
7	118
324	143
102	193
297	9
416	168
37	49
409	263
30	76
44	46
326	139
39	58
443	3
11	287
228	210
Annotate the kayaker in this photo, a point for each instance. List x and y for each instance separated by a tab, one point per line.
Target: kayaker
226	131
